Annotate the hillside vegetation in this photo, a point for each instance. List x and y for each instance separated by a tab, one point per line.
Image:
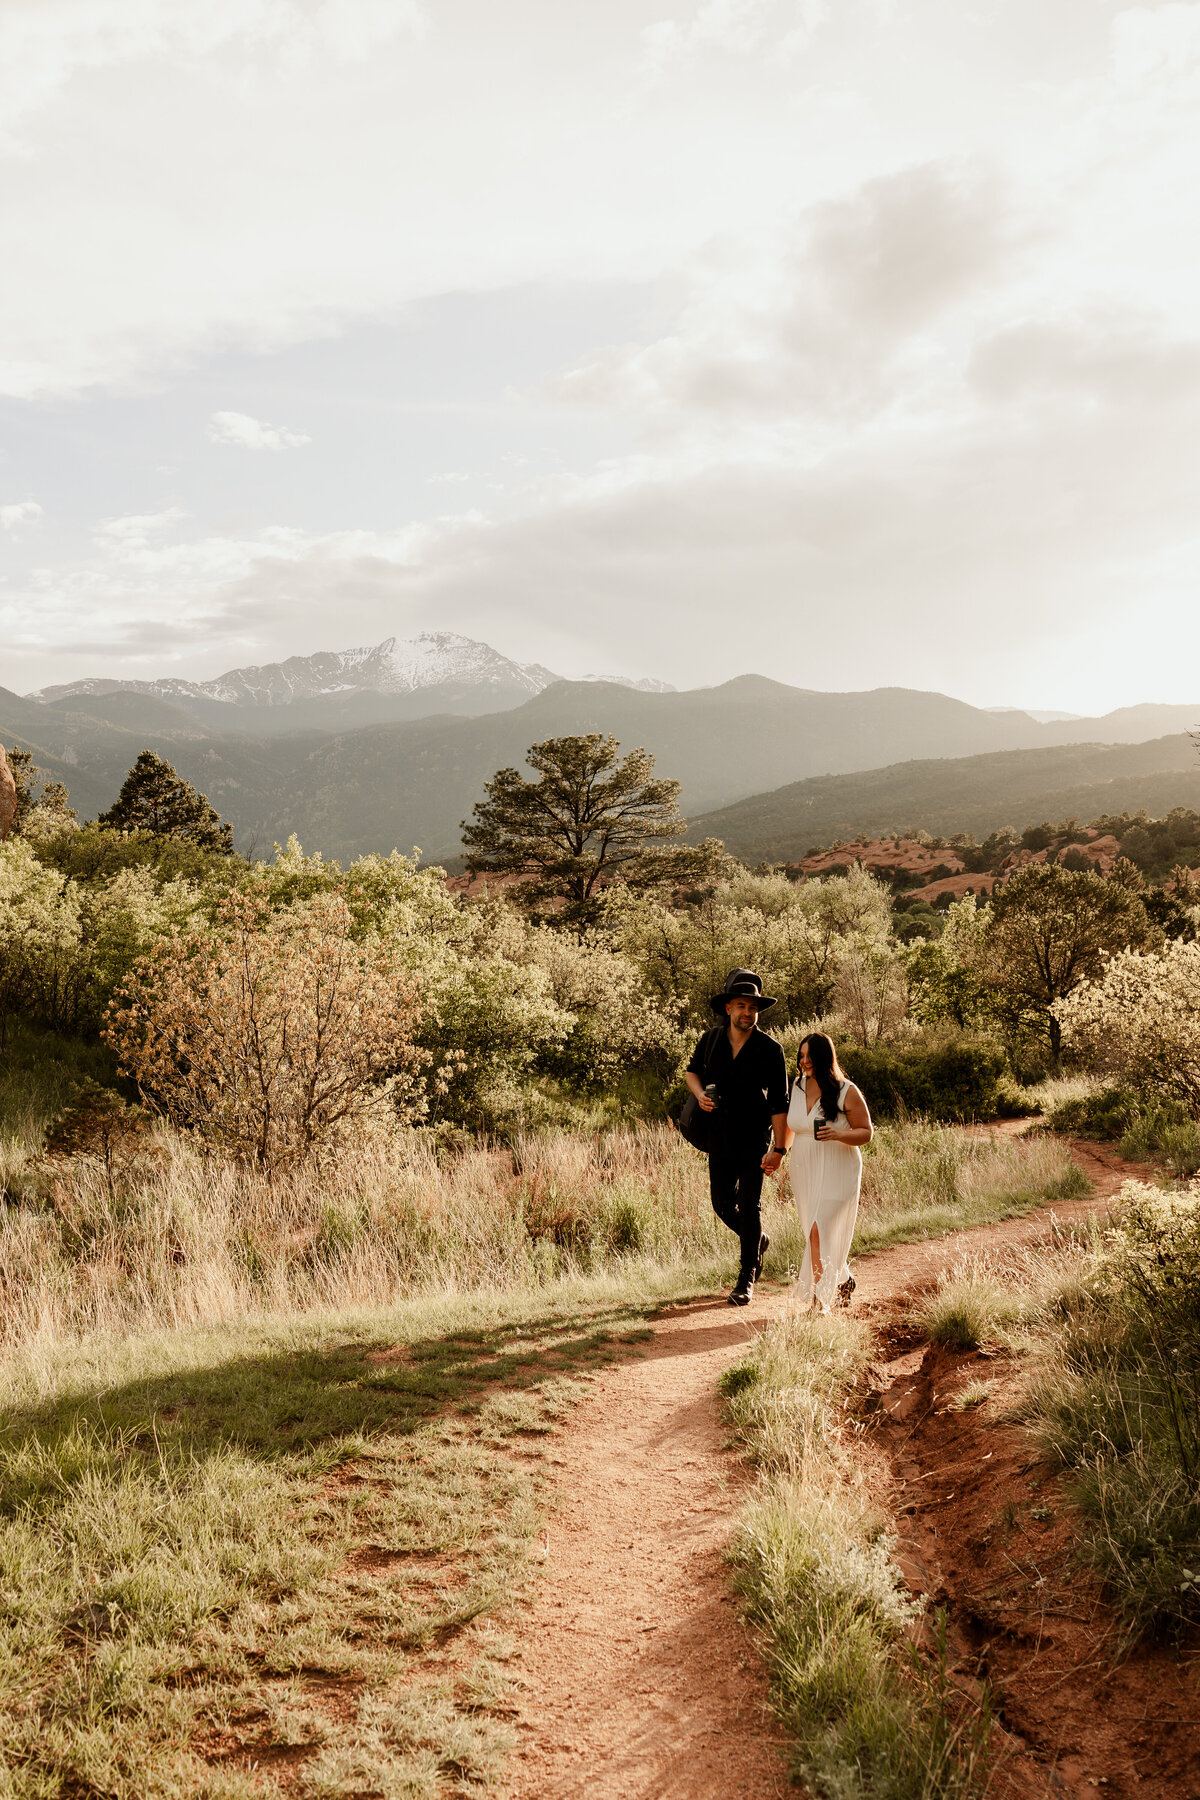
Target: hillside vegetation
327	1188
351	777
977	794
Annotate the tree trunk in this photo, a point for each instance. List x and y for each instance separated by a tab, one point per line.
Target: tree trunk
1055	1045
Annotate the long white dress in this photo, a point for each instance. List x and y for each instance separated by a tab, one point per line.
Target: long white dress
826	1177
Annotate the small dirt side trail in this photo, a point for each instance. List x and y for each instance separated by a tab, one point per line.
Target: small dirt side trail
640	1680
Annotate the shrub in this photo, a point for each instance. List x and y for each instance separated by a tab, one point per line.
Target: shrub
65	945
1117	1401
272	1034
796	934
1148	1130
1106	1114
951	1079
98	1123
1159	1137
1140	1021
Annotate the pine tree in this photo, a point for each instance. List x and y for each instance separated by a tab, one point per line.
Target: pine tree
591	818
154	798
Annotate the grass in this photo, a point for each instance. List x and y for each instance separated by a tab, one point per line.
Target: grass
1148	1129
1107	1328
294	1545
1114	1398
994	1297
867	1716
181	1237
974	1393
277	1454
922	1180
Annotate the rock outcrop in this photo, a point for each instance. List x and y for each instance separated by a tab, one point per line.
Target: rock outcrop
8	796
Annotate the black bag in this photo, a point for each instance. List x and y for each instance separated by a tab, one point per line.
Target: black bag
691	1121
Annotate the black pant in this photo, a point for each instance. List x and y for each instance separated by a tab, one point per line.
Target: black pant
735	1180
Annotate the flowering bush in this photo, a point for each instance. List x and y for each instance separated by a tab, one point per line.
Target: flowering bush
1141	1022
272	1033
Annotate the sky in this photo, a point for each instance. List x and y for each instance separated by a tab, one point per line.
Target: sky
851	342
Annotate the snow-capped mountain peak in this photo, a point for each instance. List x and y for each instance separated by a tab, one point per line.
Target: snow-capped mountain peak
433	660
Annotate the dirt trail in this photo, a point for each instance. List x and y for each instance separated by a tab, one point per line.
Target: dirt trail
640	1680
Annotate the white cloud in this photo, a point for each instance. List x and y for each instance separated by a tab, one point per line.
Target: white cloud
20	512
1156	44
127	533
918	398
253	434
816	324
45	43
733	27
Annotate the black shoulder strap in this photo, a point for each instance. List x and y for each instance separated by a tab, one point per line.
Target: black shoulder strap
709	1044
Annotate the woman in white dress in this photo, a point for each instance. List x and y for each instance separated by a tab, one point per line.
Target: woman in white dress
827	1122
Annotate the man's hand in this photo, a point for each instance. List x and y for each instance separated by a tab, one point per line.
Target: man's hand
771	1162
707	1103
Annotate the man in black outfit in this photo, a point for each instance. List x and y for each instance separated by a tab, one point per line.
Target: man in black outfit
749	1071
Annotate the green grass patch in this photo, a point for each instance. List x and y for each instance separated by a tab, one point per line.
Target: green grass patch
922	1181
295	1542
1114	1398
865	1714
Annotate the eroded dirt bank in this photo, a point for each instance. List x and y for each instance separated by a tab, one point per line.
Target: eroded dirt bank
640	1682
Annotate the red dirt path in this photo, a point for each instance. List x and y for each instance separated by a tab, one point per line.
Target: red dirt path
640	1681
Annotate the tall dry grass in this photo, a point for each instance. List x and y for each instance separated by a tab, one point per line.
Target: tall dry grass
188	1238
195	1239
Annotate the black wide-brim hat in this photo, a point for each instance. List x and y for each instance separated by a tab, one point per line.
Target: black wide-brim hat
742	984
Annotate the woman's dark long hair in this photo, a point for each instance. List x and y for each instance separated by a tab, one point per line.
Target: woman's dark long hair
827	1069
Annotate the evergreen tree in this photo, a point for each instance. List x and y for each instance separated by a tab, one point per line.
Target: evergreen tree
591	817
154	798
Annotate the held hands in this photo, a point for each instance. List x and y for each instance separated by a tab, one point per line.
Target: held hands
771	1162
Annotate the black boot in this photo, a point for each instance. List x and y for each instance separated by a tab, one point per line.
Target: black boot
743	1293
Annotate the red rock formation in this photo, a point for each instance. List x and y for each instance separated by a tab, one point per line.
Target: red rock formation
8	796
883	856
956	886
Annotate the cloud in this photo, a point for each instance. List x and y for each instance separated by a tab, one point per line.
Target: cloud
1159	44
914	394
732	27
253	434
1107	359
21	512
127	534
45	43
932	556
820	327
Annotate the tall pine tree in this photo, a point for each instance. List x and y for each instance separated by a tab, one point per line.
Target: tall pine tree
592	817
154	798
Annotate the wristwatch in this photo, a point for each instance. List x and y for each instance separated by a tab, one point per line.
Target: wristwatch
778	1149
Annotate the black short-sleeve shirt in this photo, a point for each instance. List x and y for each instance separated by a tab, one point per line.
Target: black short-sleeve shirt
751	1086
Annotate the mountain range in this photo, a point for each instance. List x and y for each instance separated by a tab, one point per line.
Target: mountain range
439	671
773	769
979	794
